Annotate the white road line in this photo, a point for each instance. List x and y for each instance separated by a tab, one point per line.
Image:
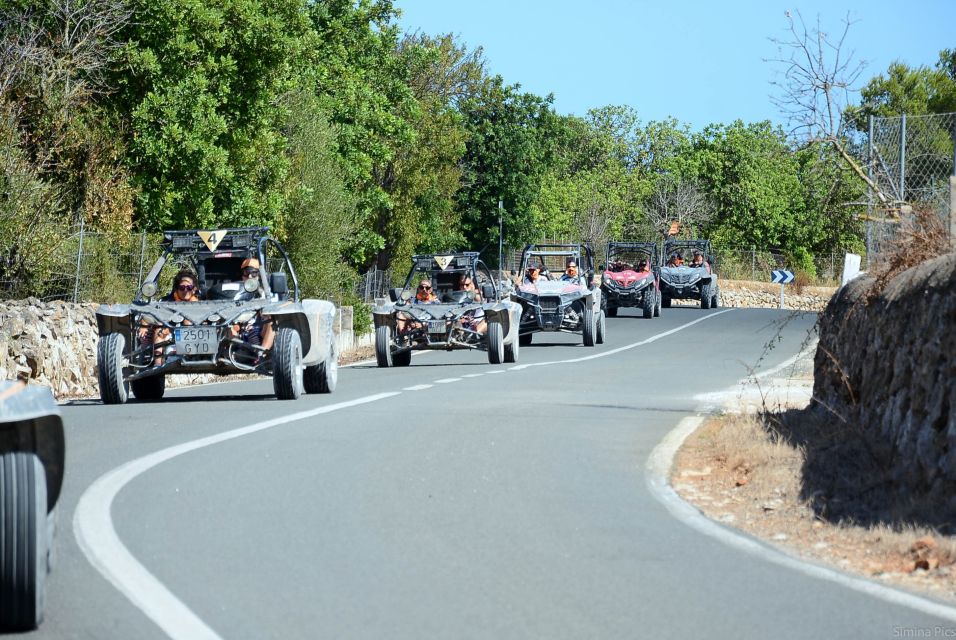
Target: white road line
473	375
495	371
419	387
604	354
94	531
657	475
447	380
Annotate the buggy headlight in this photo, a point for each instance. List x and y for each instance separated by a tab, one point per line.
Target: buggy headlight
176	319
149	289
251	284
245	316
145	318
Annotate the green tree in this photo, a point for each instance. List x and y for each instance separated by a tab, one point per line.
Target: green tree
202	86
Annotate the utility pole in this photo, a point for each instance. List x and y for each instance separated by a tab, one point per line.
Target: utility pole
501	233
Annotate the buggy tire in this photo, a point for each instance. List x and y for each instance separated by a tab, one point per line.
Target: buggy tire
601	328
665	302
383	346
402	358
149	389
525	339
706	293
512	350
287	371
323	377
611	311
588	326
715	300
495	339
109	368
24	543
648	304
657	305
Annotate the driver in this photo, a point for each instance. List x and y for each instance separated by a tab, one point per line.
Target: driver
534	272
424	294
259	330
570	272
184	290
697	260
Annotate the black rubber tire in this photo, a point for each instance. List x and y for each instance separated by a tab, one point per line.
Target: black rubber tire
287	374
706	293
323	377
149	389
601	328
402	358
611	311
665	302
715	300
495	340
512	350
648	304
657	305
24	541
383	346
588	327
109	368
525	339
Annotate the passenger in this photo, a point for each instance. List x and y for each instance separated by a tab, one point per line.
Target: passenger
425	295
259	330
643	266
534	272
570	272
697	260
184	290
474	321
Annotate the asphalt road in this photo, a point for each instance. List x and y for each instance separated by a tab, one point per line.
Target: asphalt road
449	499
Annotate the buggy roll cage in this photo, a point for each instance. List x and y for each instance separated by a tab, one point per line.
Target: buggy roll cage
580	252
670	246
189	244
624	246
460	262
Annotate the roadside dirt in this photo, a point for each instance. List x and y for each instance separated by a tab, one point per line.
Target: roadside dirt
741	469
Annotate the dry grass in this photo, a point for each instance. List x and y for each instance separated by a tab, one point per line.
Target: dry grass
743	470
921	236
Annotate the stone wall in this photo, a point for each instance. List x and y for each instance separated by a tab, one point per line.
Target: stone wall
745	294
54	344
886	364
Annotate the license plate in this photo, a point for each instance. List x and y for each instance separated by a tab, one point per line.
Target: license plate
437	326
191	341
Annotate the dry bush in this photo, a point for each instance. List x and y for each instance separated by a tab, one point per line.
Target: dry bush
921	236
802	280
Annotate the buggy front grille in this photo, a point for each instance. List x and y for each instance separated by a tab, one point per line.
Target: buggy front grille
549	304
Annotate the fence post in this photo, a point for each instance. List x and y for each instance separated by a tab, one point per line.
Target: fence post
869	189
79	263
142	256
753	263
952	210
903	158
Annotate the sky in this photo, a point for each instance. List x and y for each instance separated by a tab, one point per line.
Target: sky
698	61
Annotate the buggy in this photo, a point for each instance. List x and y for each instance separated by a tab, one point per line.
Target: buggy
682	279
482	318
550	303
218	334
632	278
32	453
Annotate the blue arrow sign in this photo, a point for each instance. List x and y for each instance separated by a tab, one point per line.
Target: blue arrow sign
781	276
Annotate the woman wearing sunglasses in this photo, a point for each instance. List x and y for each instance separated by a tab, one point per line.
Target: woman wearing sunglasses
184	290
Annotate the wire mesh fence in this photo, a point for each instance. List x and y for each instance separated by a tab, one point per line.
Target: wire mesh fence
910	158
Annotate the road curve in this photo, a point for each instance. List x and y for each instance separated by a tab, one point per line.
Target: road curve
451	498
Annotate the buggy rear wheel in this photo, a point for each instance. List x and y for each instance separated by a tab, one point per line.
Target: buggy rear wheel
24	541
588	326
715	300
496	343
601	328
287	364
511	351
322	377
525	339
151	388
611	311
109	368
665	302
383	346
706	293
657	304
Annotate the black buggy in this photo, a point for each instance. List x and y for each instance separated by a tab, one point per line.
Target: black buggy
681	278
550	303
201	337
632	278
455	318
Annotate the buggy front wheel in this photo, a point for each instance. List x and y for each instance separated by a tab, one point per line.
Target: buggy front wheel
383	346
322	377
287	364
109	368
589	326
495	341
600	328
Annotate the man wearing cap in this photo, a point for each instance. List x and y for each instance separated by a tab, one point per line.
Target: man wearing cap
532	275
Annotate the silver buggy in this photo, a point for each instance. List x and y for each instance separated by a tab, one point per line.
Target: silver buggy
247	294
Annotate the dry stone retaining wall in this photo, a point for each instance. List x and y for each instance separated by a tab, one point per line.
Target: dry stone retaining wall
54	344
886	364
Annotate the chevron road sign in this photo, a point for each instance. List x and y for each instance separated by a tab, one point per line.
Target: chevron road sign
782	276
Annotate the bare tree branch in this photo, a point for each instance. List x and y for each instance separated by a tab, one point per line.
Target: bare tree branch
681	201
